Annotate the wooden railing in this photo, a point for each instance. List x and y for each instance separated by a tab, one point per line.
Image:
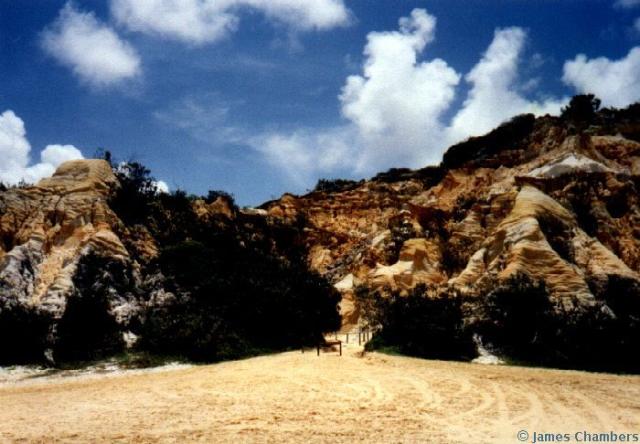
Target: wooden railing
363	337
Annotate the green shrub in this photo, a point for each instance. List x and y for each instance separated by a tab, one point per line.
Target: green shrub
235	300
335	185
581	110
132	200
521	323
509	135
518	320
417	324
23	333
214	195
87	330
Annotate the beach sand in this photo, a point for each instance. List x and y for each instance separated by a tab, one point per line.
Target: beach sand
295	397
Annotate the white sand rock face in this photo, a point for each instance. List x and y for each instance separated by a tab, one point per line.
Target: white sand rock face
569	164
557	206
51	226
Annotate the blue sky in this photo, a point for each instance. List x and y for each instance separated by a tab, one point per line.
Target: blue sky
259	97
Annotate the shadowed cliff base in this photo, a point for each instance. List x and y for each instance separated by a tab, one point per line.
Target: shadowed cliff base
539	216
294	397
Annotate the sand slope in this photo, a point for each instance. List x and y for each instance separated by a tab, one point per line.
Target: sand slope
294	397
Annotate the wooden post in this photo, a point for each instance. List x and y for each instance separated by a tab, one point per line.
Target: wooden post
318	349
359	337
347	338
340	348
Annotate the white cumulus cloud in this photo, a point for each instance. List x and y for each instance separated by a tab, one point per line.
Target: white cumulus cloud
615	82
56	155
15	149
93	50
397	103
494	96
305	153
200	21
396	109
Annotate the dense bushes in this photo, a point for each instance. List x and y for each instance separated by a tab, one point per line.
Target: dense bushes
612	327
191	328
213	195
87	329
509	135
401	230
23	333
233	301
234	285
417	324
429	175
240	283
335	185
133	199
518	319
581	110
515	319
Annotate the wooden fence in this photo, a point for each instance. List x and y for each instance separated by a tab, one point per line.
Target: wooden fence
333	339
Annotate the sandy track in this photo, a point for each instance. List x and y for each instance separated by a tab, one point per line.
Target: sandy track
294	397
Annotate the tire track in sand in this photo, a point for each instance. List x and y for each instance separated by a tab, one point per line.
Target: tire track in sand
294	397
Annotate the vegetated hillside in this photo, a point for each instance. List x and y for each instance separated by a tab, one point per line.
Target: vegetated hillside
95	261
527	238
524	240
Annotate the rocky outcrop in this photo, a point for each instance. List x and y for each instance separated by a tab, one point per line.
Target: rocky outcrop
534	197
48	228
560	207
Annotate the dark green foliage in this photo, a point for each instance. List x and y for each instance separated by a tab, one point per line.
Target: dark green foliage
630	113
519	322
23	333
241	285
214	195
430	175
335	185
394	175
596	340
184	327
235	301
87	330
416	324
582	110
171	218
9	186
616	338
132	201
518	319
508	136
622	295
